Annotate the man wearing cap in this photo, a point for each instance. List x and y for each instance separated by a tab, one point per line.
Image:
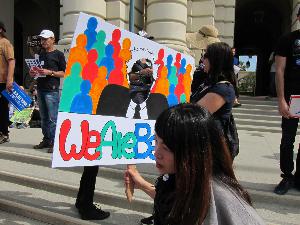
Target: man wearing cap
287	60
48	80
7	67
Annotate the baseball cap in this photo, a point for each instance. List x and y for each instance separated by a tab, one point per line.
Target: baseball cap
2	26
46	34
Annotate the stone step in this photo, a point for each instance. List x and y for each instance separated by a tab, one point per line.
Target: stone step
257	117
56	209
113	192
108	191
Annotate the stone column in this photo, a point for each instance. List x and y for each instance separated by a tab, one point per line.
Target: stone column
224	20
200	13
7	17
167	21
69	13
117	13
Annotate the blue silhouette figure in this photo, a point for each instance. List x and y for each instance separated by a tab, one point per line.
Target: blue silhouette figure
169	64
172	98
82	102
91	33
182	69
108	61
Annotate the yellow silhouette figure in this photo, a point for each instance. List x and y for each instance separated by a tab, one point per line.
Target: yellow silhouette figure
77	53
187	80
163	83
126	55
97	87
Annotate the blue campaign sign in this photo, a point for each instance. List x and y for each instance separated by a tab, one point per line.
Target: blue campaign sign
17	97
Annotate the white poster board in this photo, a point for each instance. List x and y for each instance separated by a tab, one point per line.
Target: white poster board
95	123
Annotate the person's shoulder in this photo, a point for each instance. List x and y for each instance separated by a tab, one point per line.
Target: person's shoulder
4	41
58	52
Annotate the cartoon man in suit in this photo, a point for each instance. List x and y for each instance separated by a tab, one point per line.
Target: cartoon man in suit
136	101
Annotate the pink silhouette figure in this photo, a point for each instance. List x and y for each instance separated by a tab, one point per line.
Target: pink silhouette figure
90	70
177	63
97	87
78	53
125	55
160	62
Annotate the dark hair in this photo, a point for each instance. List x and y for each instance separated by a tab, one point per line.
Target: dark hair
200	153
220	58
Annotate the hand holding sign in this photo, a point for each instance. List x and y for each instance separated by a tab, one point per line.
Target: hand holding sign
129	184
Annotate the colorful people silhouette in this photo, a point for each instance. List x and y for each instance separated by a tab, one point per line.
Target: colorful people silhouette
78	53
71	87
177	63
172	98
187	80
125	55
160	62
162	84
108	60
90	70
97	87
100	46
82	102
90	32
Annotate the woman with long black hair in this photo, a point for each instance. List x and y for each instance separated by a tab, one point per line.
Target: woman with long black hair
217	94
197	184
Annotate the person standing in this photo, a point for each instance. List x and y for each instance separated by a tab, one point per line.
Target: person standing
54	65
7	67
287	60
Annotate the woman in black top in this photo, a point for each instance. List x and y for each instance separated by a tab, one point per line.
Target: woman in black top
217	94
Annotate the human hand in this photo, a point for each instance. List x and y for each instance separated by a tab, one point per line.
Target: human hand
43	71
283	109
33	71
132	174
9	85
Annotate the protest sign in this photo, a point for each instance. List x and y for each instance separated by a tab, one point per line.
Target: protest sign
102	119
17	97
23	116
295	105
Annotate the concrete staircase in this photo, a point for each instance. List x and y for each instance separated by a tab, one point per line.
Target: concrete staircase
30	188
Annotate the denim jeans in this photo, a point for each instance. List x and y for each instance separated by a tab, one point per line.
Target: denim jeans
48	105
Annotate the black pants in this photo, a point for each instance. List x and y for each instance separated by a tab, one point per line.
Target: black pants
289	130
87	186
4	111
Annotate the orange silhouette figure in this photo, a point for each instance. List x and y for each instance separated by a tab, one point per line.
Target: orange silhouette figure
78	53
187	80
97	87
125	55
90	70
160	62
162	85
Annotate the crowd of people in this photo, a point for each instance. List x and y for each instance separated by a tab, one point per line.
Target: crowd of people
195	143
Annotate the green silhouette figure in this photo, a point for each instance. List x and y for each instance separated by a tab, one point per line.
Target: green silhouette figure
71	87
100	46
